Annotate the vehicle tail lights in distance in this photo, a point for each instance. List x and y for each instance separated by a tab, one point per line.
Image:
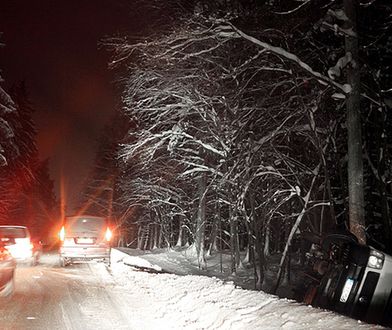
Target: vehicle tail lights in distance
62	234
22	248
108	234
4	254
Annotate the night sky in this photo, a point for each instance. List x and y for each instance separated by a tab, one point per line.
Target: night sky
53	47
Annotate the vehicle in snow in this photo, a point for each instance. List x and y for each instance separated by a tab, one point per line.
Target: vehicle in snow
7	271
84	237
17	240
356	280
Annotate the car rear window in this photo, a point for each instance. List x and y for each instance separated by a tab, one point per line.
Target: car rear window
13	232
84	225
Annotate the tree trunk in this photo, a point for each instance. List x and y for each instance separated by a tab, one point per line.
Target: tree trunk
355	163
139	237
200	222
382	184
260	258
257	243
160	238
250	256
214	236
234	242
146	236
156	236
267	238
179	238
295	227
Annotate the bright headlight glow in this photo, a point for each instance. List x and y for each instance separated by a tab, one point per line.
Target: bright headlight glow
20	250
4	254
62	234
108	234
376	259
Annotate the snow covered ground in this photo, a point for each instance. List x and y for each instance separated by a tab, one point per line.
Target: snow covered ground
171	301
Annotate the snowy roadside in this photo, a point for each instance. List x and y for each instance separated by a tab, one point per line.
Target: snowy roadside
169	301
184	261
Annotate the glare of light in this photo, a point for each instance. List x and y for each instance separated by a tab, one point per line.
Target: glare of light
4	254
108	234
62	234
22	249
376	259
375	262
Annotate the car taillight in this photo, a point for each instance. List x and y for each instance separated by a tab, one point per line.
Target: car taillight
21	249
24	243
4	254
108	234
62	234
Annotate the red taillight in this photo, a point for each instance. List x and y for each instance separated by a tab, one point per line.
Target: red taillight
4	254
108	234
62	234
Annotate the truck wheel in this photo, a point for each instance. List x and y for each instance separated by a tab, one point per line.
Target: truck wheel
338	238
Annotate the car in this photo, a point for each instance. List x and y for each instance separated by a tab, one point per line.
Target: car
357	281
83	238
7	271
17	240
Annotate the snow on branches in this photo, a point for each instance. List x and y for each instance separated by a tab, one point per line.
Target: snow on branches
226	127
7	106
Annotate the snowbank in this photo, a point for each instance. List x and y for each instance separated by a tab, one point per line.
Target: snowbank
118	256
168	301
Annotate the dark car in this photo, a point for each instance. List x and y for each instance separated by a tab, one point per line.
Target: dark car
85	237
357	281
7	271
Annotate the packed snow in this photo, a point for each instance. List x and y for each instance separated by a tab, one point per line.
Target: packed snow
151	298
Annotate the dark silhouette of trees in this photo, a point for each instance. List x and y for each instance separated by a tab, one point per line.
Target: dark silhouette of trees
100	193
26	190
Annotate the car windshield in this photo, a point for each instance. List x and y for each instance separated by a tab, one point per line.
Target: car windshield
85	225
13	232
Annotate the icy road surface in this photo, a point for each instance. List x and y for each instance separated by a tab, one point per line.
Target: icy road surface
91	296
50	297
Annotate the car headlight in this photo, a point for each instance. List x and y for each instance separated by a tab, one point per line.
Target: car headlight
376	259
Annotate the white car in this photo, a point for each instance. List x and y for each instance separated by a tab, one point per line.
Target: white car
7	271
17	241
84	237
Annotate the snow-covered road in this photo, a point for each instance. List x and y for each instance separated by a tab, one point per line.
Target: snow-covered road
91	296
50	297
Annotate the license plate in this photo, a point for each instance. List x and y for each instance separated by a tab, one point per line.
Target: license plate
346	290
85	240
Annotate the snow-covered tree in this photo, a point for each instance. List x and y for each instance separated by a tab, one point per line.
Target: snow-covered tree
8	147
188	95
100	192
240	135
26	190
7	108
